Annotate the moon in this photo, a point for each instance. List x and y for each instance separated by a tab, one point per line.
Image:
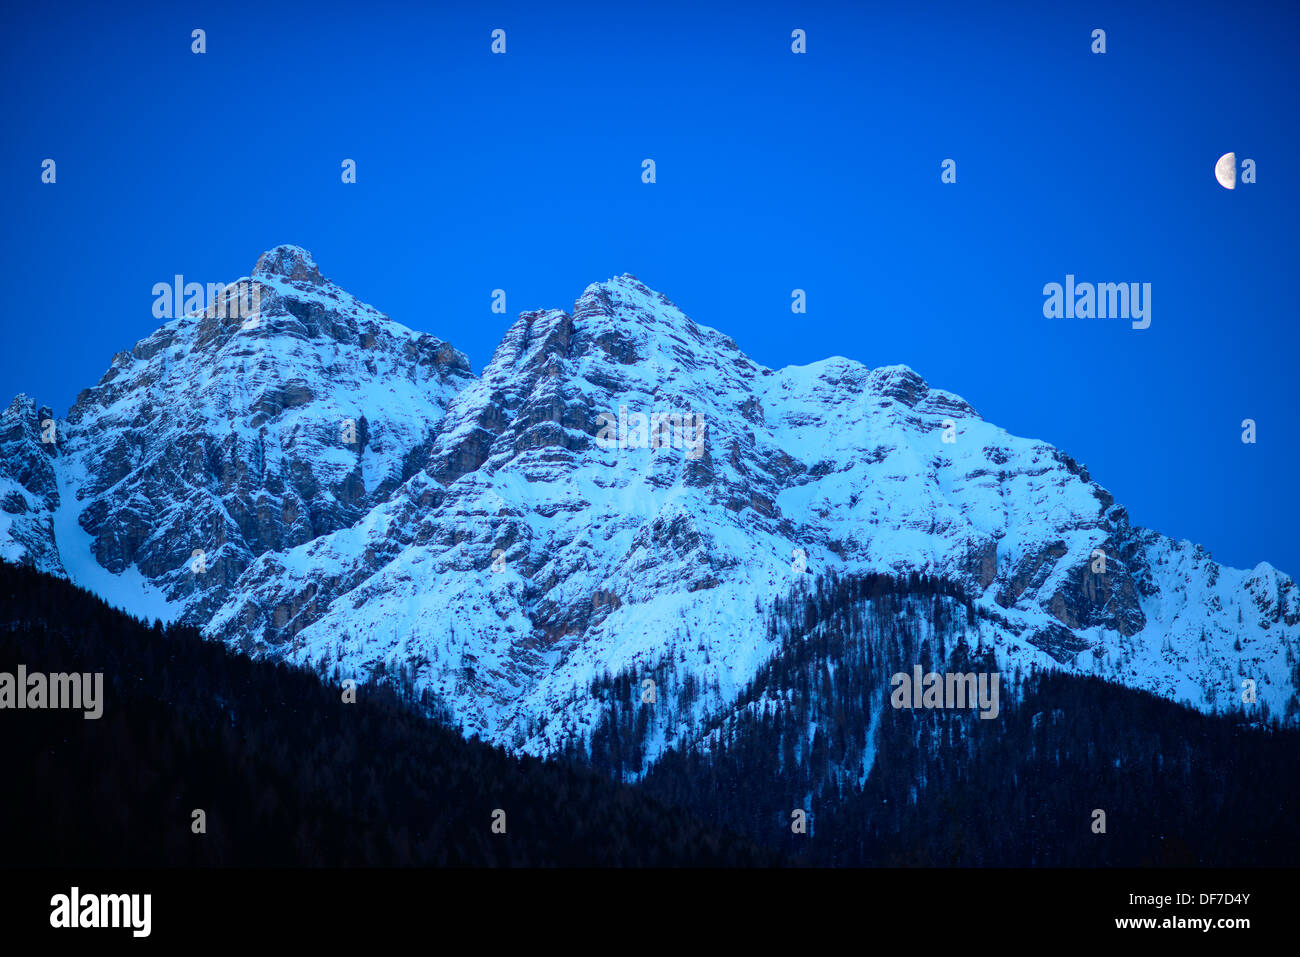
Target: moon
1225	170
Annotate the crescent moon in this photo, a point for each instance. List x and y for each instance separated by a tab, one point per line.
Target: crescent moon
1225	170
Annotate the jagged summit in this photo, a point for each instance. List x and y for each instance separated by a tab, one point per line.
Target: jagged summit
228	437
271	315
288	262
627	298
21	403
633	324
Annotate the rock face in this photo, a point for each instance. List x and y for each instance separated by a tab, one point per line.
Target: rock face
619	487
528	557
215	440
29	493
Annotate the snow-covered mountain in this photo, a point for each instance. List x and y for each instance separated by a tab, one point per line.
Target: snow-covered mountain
29	492
507	552
215	440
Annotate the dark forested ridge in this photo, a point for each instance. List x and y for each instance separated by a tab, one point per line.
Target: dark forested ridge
287	773
815	731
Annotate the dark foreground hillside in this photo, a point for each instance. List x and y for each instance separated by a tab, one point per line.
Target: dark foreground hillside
884	786
286	772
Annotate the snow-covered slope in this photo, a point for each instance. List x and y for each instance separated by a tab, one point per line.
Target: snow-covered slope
528	558
213	440
29	493
495	541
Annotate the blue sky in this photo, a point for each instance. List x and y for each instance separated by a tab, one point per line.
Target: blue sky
775	171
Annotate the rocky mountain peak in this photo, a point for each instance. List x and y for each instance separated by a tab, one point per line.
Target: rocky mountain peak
634	325
899	382
288	262
22	409
215	439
